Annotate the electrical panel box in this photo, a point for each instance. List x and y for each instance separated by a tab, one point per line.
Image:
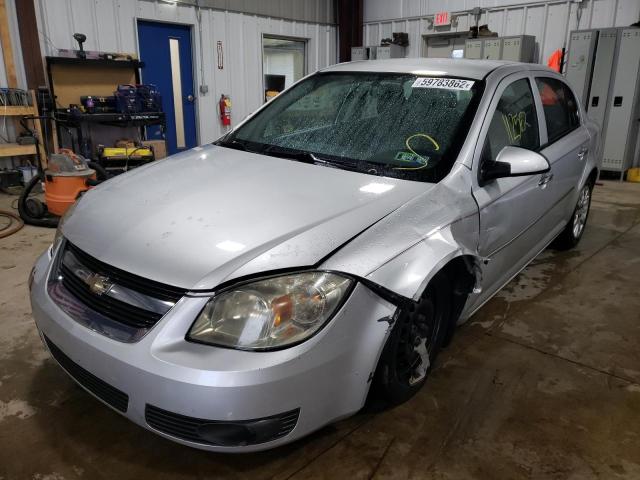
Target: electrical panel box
520	48
359	53
598	93
389	51
624	105
473	48
582	44
492	48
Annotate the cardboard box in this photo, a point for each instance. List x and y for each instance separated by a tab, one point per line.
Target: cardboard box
159	147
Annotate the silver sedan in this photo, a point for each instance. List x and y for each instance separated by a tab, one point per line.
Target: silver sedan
240	295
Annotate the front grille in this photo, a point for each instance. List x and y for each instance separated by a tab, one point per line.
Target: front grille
146	292
203	431
114	309
126	279
101	389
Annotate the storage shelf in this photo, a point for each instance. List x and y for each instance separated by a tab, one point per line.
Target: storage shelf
115	119
133	63
16	111
14	149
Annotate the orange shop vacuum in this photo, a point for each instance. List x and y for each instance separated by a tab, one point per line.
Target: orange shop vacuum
66	178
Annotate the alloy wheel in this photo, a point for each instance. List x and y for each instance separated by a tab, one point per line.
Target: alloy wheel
582	210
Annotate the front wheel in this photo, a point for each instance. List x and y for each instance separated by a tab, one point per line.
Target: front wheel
415	340
572	233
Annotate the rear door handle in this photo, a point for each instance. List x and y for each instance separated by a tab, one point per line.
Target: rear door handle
544	179
583	151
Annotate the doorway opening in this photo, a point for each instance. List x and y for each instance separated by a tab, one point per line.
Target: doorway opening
283	63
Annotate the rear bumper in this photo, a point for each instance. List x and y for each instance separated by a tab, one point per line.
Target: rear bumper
323	379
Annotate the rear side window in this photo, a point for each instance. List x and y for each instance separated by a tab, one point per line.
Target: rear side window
560	107
514	123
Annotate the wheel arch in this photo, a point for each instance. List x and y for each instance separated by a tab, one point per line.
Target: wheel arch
410	273
464	274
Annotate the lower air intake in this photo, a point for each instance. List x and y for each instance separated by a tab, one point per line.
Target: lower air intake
221	433
101	389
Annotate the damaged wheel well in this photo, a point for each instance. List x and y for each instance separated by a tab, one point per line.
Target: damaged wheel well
463	272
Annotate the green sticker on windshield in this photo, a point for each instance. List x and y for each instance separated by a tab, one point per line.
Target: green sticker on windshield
410	157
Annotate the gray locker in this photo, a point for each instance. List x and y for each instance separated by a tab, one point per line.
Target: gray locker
580	62
389	51
622	118
601	79
520	48
359	53
473	48
492	48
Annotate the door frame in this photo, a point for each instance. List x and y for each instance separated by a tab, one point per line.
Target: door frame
502	84
194	60
305	40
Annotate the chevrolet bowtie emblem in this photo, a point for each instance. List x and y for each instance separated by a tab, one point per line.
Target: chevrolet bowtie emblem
98	284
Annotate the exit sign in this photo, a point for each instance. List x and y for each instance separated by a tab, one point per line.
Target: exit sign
441	19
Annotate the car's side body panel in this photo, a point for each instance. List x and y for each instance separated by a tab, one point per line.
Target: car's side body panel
404	250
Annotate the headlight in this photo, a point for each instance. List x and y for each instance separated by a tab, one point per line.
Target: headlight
271	313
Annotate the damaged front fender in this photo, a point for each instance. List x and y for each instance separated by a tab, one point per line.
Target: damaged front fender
402	253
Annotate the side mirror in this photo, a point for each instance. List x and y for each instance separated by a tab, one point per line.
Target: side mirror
514	162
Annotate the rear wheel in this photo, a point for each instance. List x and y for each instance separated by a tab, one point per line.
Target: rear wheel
572	233
413	344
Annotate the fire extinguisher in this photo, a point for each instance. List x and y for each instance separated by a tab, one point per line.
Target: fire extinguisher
225	110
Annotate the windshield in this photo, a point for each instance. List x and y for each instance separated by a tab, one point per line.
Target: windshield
391	124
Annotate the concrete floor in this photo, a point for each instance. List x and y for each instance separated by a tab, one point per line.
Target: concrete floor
543	382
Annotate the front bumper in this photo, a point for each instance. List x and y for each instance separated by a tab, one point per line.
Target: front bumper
323	379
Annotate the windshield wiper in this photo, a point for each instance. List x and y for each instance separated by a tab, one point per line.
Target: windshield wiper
235	144
307	157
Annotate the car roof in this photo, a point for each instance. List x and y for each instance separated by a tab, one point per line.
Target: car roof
475	69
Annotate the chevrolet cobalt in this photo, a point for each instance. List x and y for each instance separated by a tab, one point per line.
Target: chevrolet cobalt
240	295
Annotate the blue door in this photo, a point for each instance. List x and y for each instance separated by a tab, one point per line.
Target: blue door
165	50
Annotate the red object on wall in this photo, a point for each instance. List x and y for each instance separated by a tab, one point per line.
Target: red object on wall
555	60
224	106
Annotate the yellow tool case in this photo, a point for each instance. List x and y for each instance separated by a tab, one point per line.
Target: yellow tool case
123	159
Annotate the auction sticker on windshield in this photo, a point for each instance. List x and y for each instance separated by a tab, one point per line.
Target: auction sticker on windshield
445	83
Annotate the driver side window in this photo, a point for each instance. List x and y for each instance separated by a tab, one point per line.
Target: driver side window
514	122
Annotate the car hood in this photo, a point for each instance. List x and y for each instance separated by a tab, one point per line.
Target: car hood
211	214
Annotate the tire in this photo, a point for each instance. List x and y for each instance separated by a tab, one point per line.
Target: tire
413	345
572	233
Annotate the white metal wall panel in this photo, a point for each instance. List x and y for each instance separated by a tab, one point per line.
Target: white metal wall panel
110	25
550	21
515	22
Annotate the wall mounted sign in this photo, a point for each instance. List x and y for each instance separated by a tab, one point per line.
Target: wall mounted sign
441	19
220	55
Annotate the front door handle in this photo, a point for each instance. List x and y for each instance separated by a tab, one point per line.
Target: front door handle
583	151
544	179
